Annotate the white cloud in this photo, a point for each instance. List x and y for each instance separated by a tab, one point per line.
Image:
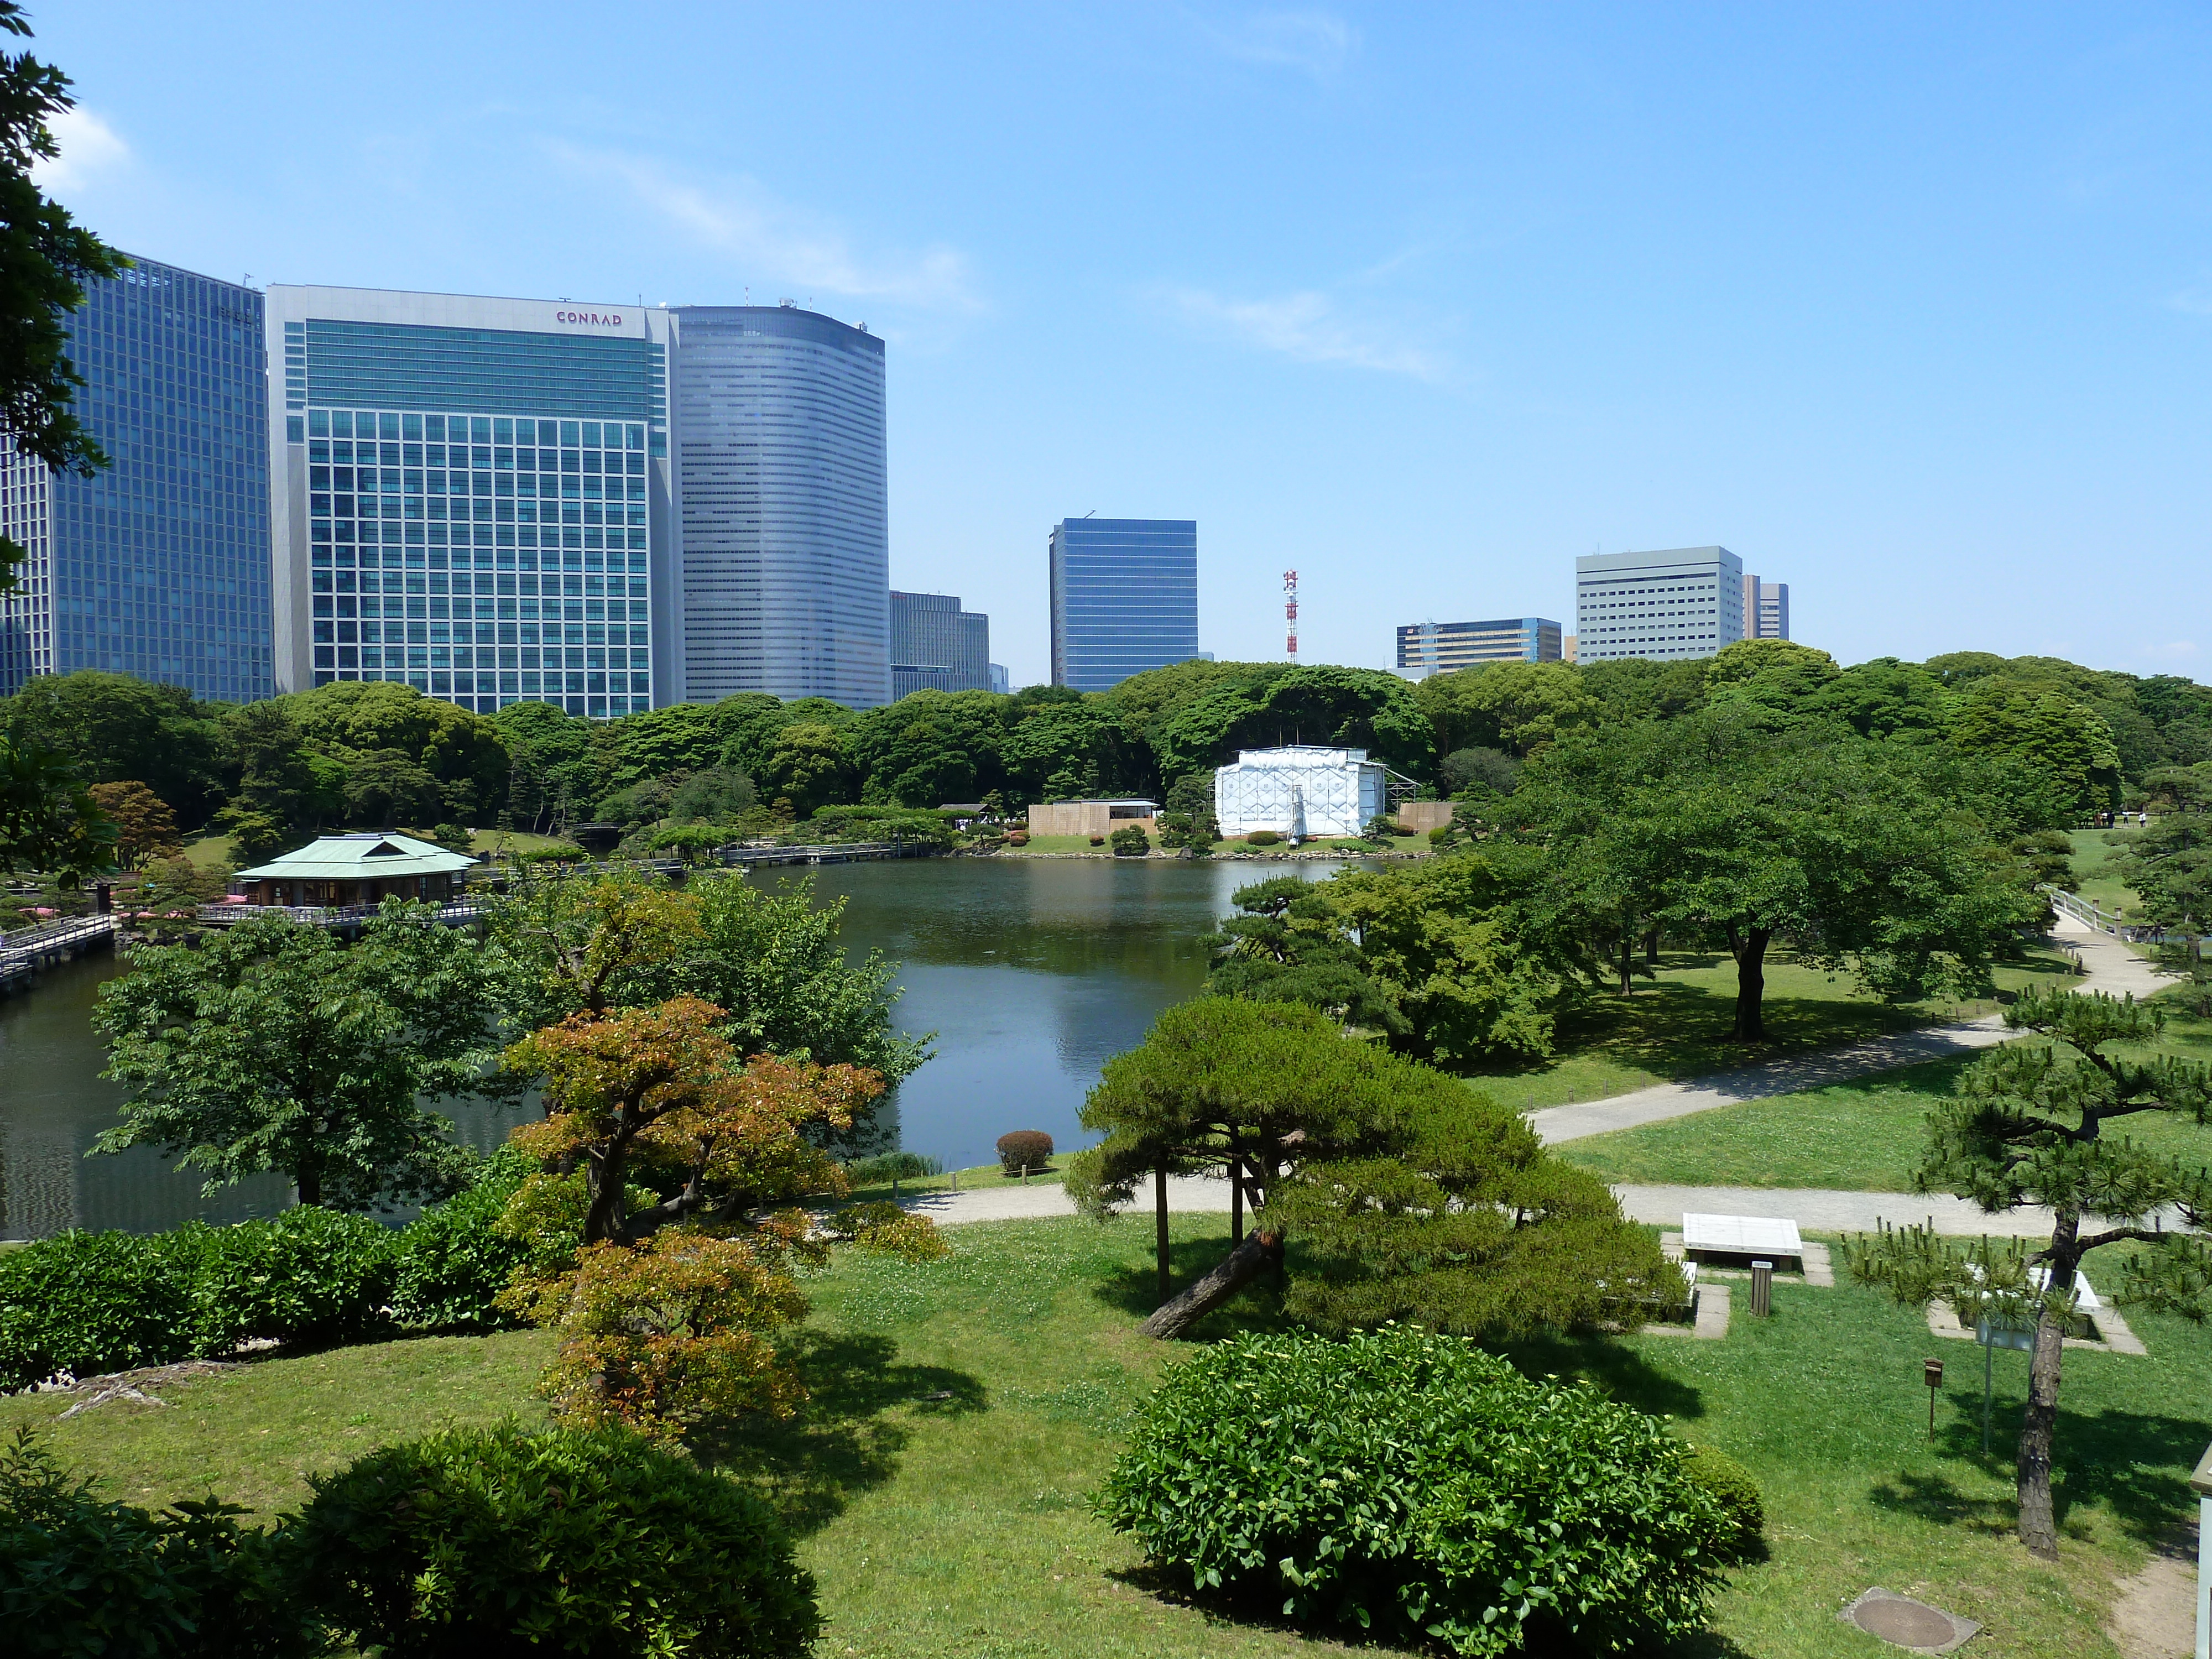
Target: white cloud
777	244
88	146
1310	40
2196	301
1309	327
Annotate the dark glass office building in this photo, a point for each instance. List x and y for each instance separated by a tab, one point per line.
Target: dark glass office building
938	647
471	497
1124	597
159	566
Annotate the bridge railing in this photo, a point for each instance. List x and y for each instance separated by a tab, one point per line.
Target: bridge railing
2107	921
330	915
28	941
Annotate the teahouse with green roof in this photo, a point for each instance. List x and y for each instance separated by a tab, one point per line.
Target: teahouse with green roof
355	869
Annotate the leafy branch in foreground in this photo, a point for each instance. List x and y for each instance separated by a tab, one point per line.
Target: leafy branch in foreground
2026	1127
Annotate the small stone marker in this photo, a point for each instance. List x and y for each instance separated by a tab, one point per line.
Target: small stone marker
1905	1623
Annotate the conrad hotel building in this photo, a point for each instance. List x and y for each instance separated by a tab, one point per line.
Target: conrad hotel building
472	496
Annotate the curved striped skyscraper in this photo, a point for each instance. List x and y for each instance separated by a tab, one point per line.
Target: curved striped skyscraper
777	416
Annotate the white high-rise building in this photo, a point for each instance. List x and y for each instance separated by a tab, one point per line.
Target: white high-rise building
1765	609
1685	602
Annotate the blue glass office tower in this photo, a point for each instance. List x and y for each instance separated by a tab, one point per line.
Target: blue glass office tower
472	496
938	647
781	477
1124	597
160	566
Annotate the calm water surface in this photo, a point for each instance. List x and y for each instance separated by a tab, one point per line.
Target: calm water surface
1030	971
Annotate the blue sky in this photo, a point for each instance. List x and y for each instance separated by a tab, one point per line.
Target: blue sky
1910	306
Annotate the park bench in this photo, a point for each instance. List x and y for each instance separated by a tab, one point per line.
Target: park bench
1740	1237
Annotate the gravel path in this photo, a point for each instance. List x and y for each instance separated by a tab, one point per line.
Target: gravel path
2112	968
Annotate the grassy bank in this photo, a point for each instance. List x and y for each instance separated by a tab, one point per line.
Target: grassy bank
962	1411
1676	1025
2093	869
1866	1136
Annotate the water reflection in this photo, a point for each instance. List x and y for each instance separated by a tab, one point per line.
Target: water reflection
1032	972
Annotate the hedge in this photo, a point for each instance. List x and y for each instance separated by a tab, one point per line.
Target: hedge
1412	1486
88	1303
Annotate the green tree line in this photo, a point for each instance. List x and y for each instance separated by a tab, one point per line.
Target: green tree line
373	754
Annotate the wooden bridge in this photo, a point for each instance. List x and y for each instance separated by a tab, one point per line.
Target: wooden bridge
23	953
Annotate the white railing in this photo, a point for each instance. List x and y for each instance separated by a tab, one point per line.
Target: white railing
2106	921
32	942
333	915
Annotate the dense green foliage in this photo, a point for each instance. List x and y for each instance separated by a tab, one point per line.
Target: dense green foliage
274	1048
1409	1484
455	1258
2067	737
1730	1486
1413	1196
80	1578
489	1541
95	1304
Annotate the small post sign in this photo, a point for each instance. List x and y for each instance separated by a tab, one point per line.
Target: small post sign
1931	1373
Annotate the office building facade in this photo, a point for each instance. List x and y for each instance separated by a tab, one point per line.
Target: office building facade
1765	609
1685	602
1001	682
1426	648
938	647
1124	595
781	448
159	566
472	496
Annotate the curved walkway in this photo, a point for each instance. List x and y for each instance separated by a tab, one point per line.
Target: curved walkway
2111	967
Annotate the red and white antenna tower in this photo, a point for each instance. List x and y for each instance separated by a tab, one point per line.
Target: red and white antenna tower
1291	613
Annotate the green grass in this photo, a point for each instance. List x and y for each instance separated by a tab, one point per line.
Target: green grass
2092	870
969	1181
963	1411
1677	1024
511	841
209	851
1866	1136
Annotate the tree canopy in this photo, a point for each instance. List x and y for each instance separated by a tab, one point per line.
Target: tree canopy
1419	1197
271	1047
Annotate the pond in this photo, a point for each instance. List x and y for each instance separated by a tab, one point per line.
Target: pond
1031	972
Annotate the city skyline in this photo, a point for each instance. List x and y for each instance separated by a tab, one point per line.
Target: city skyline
1403	301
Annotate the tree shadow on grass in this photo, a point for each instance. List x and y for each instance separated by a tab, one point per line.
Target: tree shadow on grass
1135	1290
845	1441
1619	1371
2130	1463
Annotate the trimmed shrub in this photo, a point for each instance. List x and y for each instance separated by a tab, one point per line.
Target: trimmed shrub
1261	838
92	1302
1130	841
1022	1149
480	1542
1018	838
80	1577
1730	1486
892	1166
1099	841
455	1258
1413	1485
308	1275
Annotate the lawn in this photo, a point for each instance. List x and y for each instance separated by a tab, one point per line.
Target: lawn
2093	852
963	1410
1866	1136
1676	1025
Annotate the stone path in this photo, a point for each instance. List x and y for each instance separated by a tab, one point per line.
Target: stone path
2111	968
2154	1615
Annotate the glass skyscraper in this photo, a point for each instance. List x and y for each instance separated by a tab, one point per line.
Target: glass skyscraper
471	497
780	441
159	566
938	647
1124	597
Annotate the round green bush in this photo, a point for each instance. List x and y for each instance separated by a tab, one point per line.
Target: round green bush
1261	838
1731	1486
480	1542
1413	1486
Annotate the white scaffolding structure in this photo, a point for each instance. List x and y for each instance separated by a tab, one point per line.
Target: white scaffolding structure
1300	792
